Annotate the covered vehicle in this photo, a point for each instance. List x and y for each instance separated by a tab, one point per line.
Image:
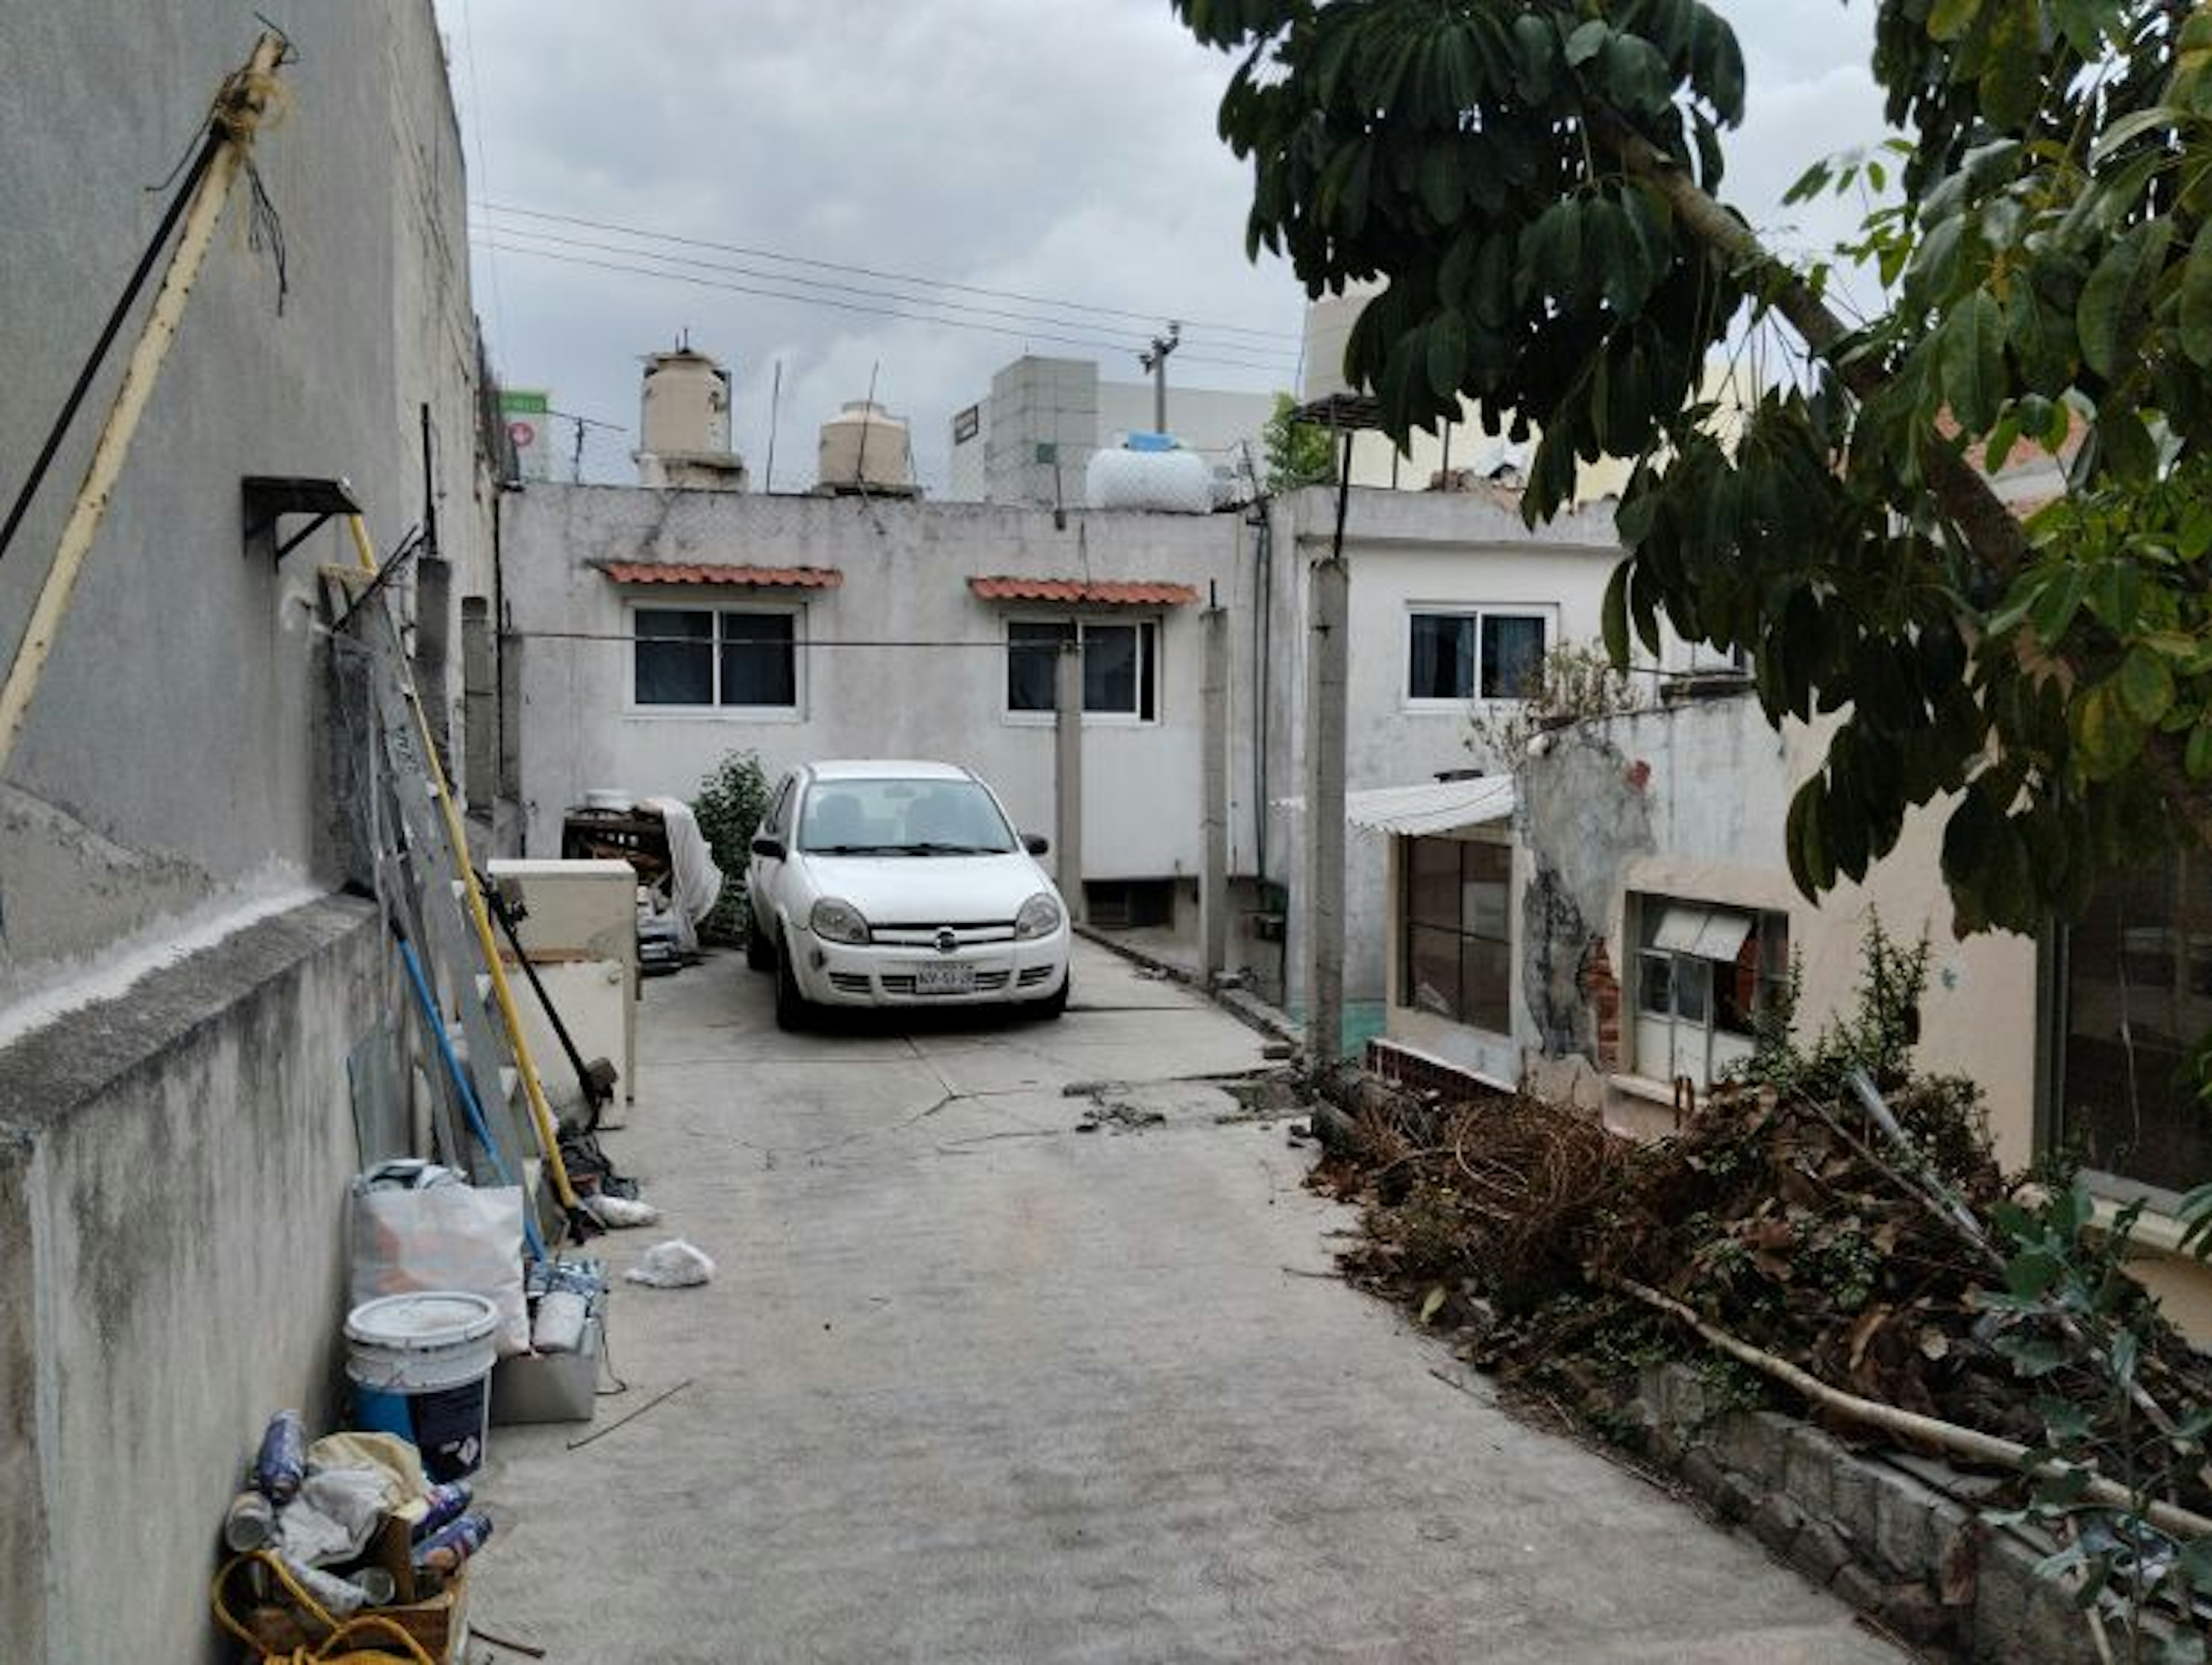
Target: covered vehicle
877	883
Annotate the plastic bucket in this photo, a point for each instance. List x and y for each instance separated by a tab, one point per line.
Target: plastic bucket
421	1368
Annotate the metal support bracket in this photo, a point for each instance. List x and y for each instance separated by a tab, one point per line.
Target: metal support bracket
270	496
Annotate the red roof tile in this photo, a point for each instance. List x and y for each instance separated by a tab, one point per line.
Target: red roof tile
1115	594
678	571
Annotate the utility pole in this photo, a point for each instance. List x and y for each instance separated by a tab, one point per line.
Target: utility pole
1213	794
1156	360
1068	781
1330	600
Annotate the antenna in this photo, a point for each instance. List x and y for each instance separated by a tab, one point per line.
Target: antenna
775	411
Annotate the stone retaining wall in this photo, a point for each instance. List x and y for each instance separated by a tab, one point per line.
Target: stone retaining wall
1910	1554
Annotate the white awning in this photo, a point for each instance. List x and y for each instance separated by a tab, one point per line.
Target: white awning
1709	933
1436	806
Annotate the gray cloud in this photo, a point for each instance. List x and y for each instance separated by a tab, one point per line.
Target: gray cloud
1061	147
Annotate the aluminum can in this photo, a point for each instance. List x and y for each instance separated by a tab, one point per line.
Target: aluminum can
282	1463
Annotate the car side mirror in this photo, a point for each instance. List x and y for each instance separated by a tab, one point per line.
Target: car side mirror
1037	843
770	849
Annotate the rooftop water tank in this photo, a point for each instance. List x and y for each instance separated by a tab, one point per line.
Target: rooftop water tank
1149	471
866	448
684	409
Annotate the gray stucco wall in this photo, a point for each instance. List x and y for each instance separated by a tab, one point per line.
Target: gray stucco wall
172	1173
906	661
172	751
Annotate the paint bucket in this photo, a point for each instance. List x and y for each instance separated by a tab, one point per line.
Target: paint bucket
421	1368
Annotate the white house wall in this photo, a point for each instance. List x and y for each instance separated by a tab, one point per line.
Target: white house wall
900	660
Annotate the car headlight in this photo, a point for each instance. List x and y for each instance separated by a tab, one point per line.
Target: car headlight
1040	917
838	922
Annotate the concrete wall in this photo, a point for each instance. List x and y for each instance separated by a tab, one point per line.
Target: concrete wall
1690	803
172	748
905	662
1408	551
172	1173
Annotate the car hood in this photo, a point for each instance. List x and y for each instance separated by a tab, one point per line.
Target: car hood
929	889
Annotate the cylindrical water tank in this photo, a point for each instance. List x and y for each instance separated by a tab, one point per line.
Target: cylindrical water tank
866	446
1329	327
684	409
1173	482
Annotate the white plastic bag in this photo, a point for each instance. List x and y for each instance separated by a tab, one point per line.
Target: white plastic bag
675	1264
449	1236
617	1212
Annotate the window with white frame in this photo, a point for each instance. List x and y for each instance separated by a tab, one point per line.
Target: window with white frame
2133	993
1703	974
1120	666
1458	944
1456	655
746	658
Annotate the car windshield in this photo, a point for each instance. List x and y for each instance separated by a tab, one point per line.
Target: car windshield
924	817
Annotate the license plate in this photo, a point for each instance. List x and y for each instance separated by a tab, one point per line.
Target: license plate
944	979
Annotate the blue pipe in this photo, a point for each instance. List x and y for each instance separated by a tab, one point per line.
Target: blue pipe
476	1123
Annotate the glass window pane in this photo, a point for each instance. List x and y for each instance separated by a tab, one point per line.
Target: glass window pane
759	664
1109	668
675	661
1693	988
1512	655
1148	641
1441	665
1033	662
2127	1092
1432	885
1432	971
1655	984
1485	891
1485	985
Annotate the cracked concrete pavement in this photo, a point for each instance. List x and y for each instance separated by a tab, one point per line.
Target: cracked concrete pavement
970	1384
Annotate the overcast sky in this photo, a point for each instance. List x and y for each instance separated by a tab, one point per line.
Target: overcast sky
1059	149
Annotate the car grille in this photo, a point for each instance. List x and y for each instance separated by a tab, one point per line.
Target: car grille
987	983
849	982
1033	975
925	936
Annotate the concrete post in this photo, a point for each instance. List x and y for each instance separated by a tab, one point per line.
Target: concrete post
1067	779
1213	795
1329	589
479	709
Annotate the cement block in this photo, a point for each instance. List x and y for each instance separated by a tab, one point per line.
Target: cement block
1854	1584
1776	1521
1820	1551
1685	1397
1736	1496
1702	1472
1851	1499
1904	1539
1912	1611
1751	1442
2004	1595
1809	1461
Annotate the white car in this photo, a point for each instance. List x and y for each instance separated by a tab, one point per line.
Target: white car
901	884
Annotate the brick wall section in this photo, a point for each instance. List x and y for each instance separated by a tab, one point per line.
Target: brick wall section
1602	988
1915	1557
1416	1073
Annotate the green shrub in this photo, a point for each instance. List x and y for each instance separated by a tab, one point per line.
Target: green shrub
732	801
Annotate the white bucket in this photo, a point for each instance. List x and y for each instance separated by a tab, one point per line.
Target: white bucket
421	1368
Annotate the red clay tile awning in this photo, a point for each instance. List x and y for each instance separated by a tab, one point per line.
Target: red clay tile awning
1136	593
764	578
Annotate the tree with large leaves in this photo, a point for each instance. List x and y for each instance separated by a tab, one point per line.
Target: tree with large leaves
1538	185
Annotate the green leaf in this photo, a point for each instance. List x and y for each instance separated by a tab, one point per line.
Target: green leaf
2124	1347
2197	759
2145	684
1433	1301
1441	176
1948	20
1615	616
2032	1356
2196	312
2056	603
2111	314
1972	362
1586	42
1447	355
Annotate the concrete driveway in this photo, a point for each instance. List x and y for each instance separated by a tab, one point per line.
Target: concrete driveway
972	1385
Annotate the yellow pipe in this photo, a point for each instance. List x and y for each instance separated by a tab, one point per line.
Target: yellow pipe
549	1135
239	109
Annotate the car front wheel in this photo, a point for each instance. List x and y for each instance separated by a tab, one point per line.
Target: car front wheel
1056	1002
760	952
793	1009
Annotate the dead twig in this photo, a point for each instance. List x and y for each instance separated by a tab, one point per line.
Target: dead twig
658	1399
527	1649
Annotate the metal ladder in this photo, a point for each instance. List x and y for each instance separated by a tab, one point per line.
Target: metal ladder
419	847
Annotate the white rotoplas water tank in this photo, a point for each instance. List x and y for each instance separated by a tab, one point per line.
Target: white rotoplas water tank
684	407
1328	328
866	446
1169	482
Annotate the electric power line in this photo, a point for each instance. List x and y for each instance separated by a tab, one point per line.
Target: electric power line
1093	342
1150	318
1272	359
